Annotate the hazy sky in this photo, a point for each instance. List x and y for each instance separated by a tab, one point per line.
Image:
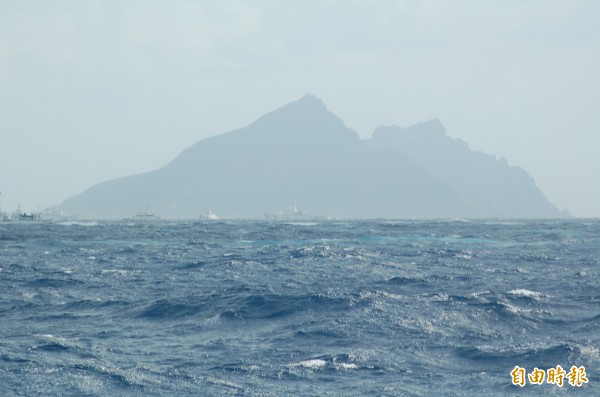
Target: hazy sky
93	90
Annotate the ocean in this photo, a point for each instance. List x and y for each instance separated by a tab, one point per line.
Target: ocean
324	308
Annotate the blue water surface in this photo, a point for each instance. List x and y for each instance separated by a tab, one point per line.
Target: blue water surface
340	308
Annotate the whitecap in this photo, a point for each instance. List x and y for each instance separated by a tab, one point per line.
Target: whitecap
526	292
346	366
590	351
224	382
513	309
393	296
120	272
440	297
314	363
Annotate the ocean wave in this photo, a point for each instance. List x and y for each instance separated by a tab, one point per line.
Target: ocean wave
78	223
315	363
230	306
534	356
257	308
522	292
301	223
46	282
408	281
324	363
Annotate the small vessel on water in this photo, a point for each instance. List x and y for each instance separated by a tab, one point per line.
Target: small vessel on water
146	216
28	217
53	214
22	216
290	213
293	213
19	216
210	216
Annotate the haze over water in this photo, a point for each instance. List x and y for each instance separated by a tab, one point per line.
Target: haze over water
93	91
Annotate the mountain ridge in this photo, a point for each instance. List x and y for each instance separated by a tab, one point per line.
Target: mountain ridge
303	153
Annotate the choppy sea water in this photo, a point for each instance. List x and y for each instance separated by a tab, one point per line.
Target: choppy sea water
396	308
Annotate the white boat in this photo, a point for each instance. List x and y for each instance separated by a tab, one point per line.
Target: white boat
210	216
290	213
53	214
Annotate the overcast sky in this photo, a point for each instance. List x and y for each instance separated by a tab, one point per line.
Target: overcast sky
94	90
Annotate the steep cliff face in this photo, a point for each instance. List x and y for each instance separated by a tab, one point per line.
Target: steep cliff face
491	187
303	153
